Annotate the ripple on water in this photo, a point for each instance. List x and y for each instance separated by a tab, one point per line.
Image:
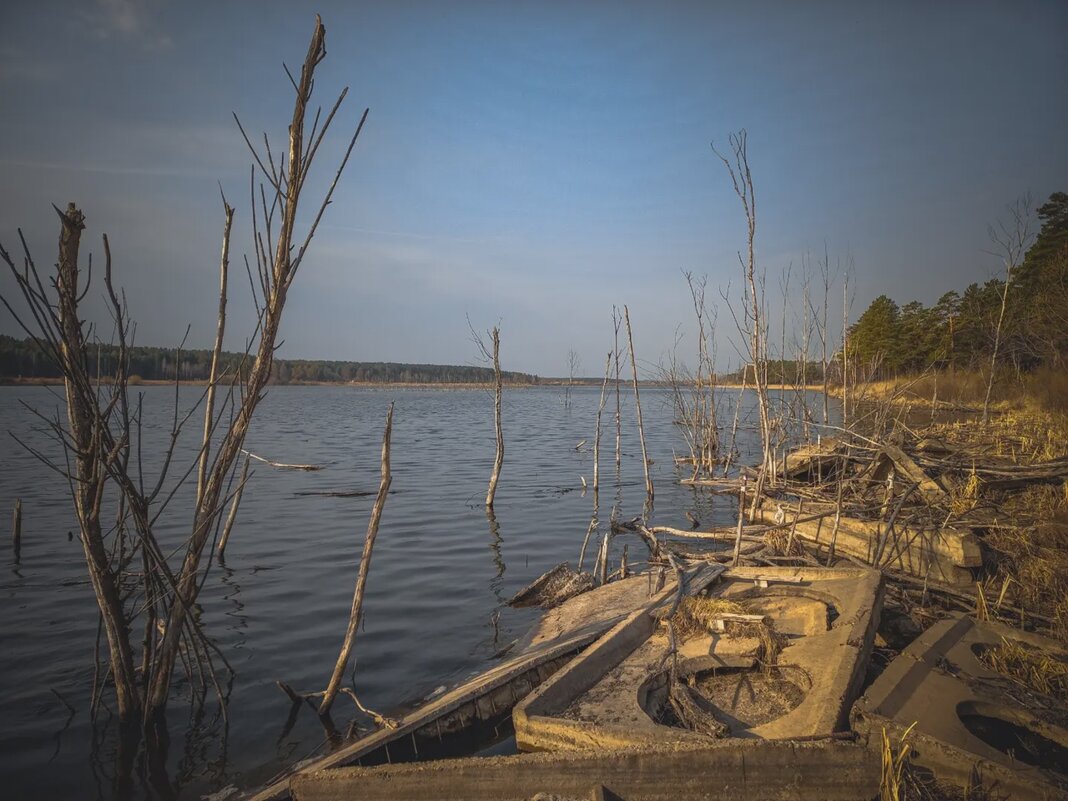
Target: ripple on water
279	608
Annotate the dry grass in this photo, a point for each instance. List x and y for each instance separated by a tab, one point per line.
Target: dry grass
782	544
1031	553
900	779
1027	547
894	762
1030	667
1043	390
1019	435
965	498
695	617
1029	413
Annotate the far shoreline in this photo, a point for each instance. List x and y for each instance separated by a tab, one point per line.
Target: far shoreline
551	383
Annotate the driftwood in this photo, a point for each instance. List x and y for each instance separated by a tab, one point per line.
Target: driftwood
553	588
282	465
16	530
741	522
711	536
893	458
689	708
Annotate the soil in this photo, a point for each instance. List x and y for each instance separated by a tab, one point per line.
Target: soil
744	699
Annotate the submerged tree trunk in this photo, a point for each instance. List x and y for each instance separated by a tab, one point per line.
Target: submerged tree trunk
498	459
361	577
597	433
638	405
90	471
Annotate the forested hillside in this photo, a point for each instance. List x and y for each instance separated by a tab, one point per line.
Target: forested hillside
959	330
21	358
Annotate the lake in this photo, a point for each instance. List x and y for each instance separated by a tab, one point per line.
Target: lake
279	606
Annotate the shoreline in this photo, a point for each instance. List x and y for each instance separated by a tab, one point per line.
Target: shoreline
199	382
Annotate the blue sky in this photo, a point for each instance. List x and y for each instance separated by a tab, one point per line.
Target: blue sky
532	162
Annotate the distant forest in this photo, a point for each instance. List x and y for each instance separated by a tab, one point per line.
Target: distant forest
959	330
21	358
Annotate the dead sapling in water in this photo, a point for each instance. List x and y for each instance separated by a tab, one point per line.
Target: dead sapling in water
492	353
147	591
334	687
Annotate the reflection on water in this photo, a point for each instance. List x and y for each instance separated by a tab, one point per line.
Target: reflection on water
278	606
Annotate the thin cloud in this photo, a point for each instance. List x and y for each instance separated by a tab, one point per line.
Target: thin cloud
103	168
133	20
17	66
413	234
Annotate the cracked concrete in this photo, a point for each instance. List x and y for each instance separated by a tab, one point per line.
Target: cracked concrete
971	721
612	695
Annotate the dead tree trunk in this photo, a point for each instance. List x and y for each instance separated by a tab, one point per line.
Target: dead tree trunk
638	405
361	577
498	459
597	433
845	351
277	275
742	179
1012	241
85	434
234	506
16	530
615	356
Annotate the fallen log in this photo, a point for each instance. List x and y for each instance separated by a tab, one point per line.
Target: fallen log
944	554
905	465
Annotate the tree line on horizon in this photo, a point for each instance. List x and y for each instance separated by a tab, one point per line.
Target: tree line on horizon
962	330
22	358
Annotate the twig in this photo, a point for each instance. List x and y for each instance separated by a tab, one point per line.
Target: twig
282	465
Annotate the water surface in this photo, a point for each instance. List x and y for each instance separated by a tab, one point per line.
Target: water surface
279	606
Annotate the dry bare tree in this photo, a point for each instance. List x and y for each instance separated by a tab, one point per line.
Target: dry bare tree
693	391
492	353
133	578
573	363
616	353
638	405
1010	239
823	332
752	323
597	433
361	577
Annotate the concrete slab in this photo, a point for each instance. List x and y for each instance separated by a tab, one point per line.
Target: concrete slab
749	771
614	695
943	554
971	721
551	643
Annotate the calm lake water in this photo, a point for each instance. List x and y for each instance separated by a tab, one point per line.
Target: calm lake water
279	606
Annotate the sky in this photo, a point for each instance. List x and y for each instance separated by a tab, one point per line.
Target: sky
531	164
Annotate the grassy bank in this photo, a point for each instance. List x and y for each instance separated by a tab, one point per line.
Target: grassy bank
1025	537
